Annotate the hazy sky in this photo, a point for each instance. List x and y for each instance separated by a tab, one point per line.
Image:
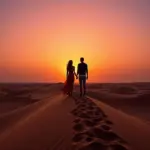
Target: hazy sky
38	37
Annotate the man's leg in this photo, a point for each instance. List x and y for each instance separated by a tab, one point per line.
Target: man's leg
84	85
80	82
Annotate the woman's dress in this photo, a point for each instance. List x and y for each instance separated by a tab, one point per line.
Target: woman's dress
68	86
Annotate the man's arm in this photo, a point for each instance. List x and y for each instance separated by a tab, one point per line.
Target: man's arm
87	71
78	70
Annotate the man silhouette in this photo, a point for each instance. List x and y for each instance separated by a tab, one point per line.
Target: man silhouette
82	71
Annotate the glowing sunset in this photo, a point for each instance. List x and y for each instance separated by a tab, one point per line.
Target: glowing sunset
74	74
39	37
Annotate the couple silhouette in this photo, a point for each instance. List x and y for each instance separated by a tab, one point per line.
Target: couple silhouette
82	75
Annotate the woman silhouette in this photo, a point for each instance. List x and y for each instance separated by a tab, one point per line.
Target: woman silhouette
68	87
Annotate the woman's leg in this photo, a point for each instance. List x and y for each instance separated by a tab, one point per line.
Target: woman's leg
71	89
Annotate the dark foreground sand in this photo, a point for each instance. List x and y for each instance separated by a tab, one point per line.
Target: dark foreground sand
42	118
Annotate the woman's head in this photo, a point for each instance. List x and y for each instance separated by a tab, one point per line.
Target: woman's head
70	63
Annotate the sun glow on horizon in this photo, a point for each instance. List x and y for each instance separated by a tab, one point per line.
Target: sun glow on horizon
38	39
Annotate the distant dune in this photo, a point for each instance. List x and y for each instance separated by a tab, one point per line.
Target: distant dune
130	98
124	90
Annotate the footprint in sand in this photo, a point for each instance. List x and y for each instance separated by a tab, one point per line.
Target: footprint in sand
78	137
105	135
105	127
117	147
94	146
79	127
92	128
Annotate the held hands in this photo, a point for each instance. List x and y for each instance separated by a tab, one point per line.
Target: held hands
76	77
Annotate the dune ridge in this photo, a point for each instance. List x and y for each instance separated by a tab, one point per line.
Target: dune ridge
11	118
35	131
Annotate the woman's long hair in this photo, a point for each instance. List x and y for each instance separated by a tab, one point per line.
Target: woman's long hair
69	65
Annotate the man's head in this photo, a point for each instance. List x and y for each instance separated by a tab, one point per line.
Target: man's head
82	59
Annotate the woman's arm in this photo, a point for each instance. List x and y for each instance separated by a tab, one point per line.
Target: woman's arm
75	73
66	73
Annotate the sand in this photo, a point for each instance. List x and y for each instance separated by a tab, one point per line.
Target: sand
134	130
135	102
42	118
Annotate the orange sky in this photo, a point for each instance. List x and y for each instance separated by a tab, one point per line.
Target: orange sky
39	37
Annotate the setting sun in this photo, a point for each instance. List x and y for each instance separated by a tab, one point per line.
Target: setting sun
38	40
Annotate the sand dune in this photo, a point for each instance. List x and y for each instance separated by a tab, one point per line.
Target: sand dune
134	130
12	117
41	129
15	96
58	122
62	123
134	100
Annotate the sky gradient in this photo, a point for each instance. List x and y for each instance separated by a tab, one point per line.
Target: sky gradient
38	37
